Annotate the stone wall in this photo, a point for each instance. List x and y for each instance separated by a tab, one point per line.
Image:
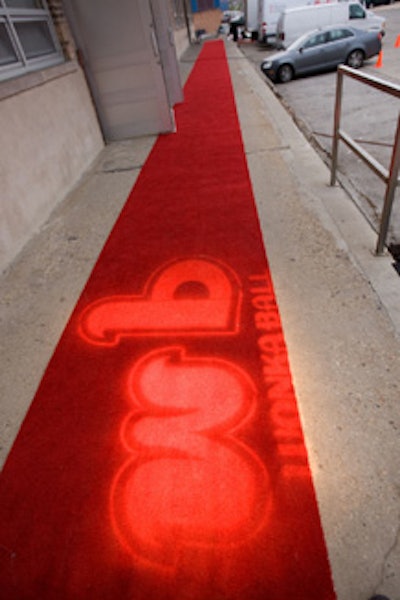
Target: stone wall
62	28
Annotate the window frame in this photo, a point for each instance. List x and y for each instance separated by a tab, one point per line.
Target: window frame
11	17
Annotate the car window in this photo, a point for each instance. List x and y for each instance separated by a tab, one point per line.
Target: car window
356	11
339	34
315	40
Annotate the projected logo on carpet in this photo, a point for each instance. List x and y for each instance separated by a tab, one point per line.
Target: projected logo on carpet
196	296
189	481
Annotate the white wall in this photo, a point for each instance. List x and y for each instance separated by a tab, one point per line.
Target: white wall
49	137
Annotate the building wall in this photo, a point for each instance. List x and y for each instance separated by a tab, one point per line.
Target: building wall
208	20
181	40
181	19
49	137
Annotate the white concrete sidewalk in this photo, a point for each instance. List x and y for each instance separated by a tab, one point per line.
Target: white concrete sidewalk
340	306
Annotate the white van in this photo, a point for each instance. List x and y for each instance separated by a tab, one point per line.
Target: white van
251	14
269	12
293	22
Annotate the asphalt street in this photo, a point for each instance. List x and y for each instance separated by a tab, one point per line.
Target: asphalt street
368	115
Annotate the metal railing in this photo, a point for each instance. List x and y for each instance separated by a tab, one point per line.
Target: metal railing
390	177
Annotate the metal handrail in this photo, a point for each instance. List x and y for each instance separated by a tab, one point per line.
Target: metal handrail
389	176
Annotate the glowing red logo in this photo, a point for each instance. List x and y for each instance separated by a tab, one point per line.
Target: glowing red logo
189	296
189	482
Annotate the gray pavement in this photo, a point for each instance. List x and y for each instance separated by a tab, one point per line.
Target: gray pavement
339	305
368	115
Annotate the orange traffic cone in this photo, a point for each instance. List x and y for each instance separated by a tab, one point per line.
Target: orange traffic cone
379	61
397	42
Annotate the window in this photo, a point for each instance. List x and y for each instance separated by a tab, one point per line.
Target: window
27	38
315	40
356	11
200	5
339	34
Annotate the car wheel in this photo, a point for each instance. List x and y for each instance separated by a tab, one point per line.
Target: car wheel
355	59
285	73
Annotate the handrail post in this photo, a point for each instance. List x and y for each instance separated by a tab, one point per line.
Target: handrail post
391	177
390	192
336	126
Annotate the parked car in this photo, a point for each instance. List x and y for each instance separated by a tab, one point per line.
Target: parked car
293	22
322	49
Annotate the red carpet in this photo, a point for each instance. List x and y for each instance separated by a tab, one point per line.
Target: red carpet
162	457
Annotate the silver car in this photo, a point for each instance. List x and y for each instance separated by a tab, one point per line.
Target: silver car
323	49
